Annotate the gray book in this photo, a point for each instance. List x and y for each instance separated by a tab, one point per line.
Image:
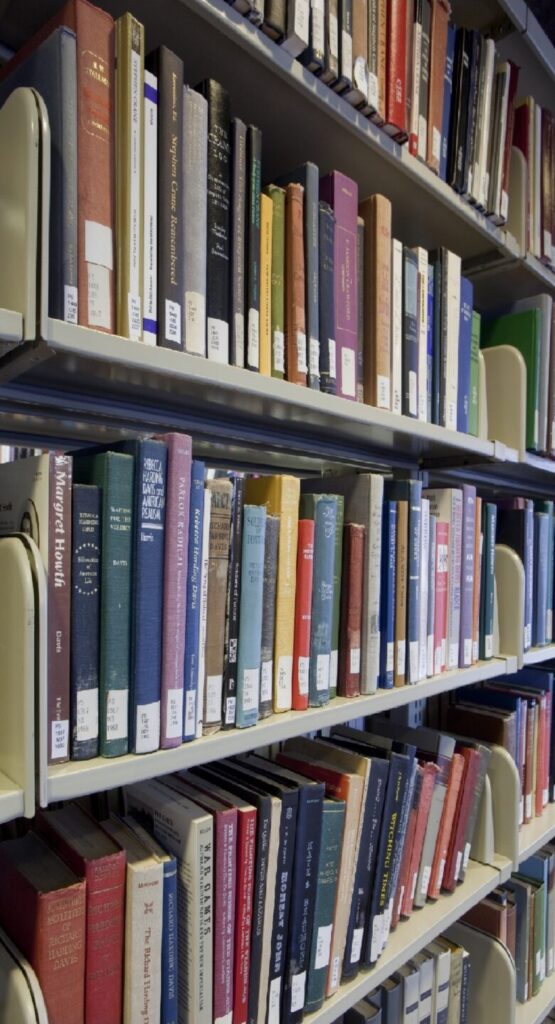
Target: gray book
195	142
237	254
51	69
410	980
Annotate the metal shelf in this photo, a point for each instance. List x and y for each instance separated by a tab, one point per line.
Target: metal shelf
536	833
536	655
78	778
536	1009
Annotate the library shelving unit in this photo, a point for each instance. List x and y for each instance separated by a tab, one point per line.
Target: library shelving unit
64	386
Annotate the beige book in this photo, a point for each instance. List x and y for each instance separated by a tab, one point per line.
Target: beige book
376	214
266	216
129	136
218	561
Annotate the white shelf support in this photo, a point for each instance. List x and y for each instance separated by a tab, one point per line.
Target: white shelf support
507	404
509	601
492	977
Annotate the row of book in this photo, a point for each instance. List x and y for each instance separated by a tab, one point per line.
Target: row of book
534	136
526	527
280	878
432	987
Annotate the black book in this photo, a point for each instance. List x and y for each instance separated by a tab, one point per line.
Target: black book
410	333
345	46
327	299
219	219
459	109
85	620
238	238
275	19
363	1012
436	262
252	296
168	69
473	100
465	988
392	1000
231	639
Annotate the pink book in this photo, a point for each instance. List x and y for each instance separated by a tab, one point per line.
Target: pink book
341	193
440	619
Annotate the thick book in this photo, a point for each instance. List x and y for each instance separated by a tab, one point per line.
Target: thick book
322	508
333	822
39	896
423	812
296	37
341	193
387	597
330	71
410	491
219	220
350	628
231	637
522	331
168	69
459	109
250	615
376	213
441	596
51	69
410	333
150	211
94	856
424	89
314	55
447	505
218	562
396	82
85	620
195	197
543	305
303	613
344	45
271	543
326	268
436	97
129	160
336	610
238	235
296	367
265	340
468	569
357	94
252	248
447	99
277	294
192	600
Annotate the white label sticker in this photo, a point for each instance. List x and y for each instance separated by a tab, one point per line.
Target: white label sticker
504	204
99	299
59	739
549	624
401	656
547	243
373	90
376	942
354	661
302	674
317	26
173	322
346	54
322	671
251	683
98	244
467	651
116	714
466	857
230	708
430	655
422	136
217	340
360	76
301	20
147	727
458	865
356	945
528	805
413	403
550	960
87	715
314	357
253	341
226	1019
195	324
348	373
213	698
436	144
266	677
389	658
71	305
301	353
298	987
274	1001
331	357
488	645
239	339
334	36
333	669
474	651
323	946
190	713
413	661
284	679
425	880
383	391
335	972
174	714
441	872
453	655
134	316
279	352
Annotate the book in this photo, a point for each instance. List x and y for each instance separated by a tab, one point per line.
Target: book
423	812
489	519
203	616
326	312
296	367
296	34
237	253
439	30
129	161
195	191
401	592
341	193
231	636
92	855
441	598
447	99
464	367
168	69
313	56
397	321
36	499
396	71
376	213
277	296
333	821
218	562
413	83
447	504
474	373
250	615
357	94
150	210
410	333
337	574
387	595
193	599
431	597
85	616
303	613
410	491
38	896
424	81
218	220
266	216
423	589
252	248
422	332
360	310
323	509
350	629
467	571
522	331
268	616
330	71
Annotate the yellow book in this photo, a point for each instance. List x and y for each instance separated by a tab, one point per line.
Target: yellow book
280	495
266	215
130	60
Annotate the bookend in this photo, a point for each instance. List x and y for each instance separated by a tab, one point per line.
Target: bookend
506	405
509	598
516	221
20	993
493	985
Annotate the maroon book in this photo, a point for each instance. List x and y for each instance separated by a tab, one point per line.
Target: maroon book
341	193
513	83
396	81
350	623
456	846
546	186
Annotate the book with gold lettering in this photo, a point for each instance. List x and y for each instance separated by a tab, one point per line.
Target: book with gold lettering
376	213
265	336
129	175
296	367
218	561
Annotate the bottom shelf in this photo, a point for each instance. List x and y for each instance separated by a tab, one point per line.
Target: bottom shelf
410	936
537	1008
11	799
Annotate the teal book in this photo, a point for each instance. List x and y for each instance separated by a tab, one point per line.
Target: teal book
250	615
114	473
337	568
333	821
523	332
322	508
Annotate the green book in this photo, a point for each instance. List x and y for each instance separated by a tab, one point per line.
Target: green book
333	821
522	331
487	600
277	195
337	564
114	473
474	374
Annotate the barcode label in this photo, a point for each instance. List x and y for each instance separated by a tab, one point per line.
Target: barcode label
274	1001
303	665
356	945
436	144
331	357
425	880
253	339
317	25
413	404
488	645
458	865
354	661
190	713
195	326
390	657
335	972
71	305
383	391
453	655
401	656
266	677
116	714
360	76
333	670
348	374
298	987
467	651
251	681
413	660
284	675
334	36
301	20
466	857
87	715
373	90
504	204
314	357
279	352
346	54
322	672
217	340
213	698
98	292
301	352
134	316
173	322
230	709
174	714
441	872
59	739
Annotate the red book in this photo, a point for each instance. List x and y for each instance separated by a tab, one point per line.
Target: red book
513	83
522	139
93	855
441	10
407	848
446	825
442	587
471	768
350	623
431	772
94	29
42	908
303	613
396	81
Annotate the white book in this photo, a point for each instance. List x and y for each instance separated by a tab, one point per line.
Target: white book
431	598
410	979
485	127
423	585
442	971
186	832
150	231
422	332
451	312
297	36
415	79
397	327
203	608
144	887
424	964
195	198
446	504
544	303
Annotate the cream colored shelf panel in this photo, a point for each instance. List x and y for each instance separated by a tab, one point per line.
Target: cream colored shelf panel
536	1009
11	326
77	778
536	655
12	800
536	833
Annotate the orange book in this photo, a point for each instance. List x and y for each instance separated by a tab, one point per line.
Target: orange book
303	613
446	825
295	315
376	214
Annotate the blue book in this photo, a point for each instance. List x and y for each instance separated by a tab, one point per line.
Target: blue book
541	548
85	620
547	507
447	97
192	614
410	333
322	508
411	491
465	346
151	459
430	345
327	299
51	69
436	263
387	595
250	615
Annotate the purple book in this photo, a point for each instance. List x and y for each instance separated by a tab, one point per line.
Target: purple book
467	573
175	587
341	193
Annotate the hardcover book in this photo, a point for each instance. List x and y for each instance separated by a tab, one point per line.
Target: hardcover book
250	615
303	613
326	226
323	509
193	600
238	234
341	193
252	253
195	198
296	367
129	158
350	629
277	293
268	615
376	213
218	562
85	618
150	212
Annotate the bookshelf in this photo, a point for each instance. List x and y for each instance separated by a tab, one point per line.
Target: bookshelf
536	833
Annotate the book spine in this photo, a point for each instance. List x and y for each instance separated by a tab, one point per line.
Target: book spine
297	37
333	819
467	574
375	925
218	223
396	83
225	840
252	283
413	596
229	698
176	539
387	608
238	228
509	135
465	988
528	573
129	144
422	332
337	571
195	170
372	104
143	933
345	45
423	585
438	341
474	92
415	78
246	854
104	949
193	602
447	100
288	511
442	577
540	579
428	783
277	297
465	356
330	71
303	899
446	825
295	316
407	848
274	24
430	302
313	56
85	618
342	195
424	82
262	909
431	597
474	373
268	615
149	518
218	562
454	592
350	630
325	519
410	333
312	280
150	213
59	605
420	889
62	984
169	1004
478	542
376	213
488	581
401	559
357	95
171	241
327	299
250	615
266	216
303	613
451	305
286	851
397	327
436	101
